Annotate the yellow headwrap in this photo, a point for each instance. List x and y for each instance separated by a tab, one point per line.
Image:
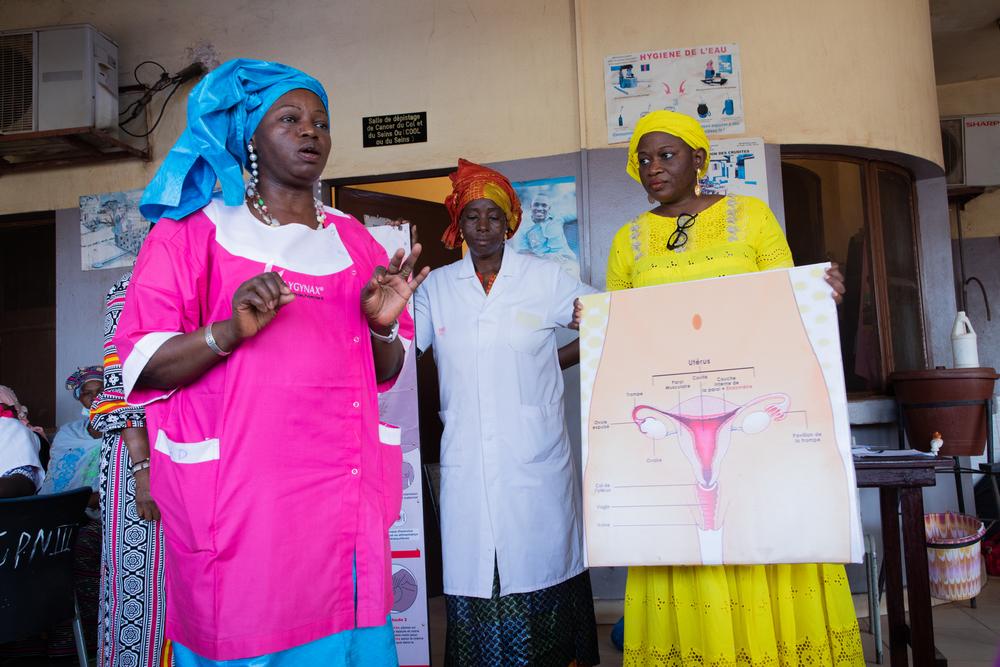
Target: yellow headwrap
684	127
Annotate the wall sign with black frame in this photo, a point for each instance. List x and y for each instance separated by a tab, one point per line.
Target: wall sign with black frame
390	130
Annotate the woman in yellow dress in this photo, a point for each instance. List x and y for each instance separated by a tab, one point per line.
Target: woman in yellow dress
718	616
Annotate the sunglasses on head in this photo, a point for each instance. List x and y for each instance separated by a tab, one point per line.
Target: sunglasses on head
680	236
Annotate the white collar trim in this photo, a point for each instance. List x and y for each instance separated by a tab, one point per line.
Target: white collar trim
294	247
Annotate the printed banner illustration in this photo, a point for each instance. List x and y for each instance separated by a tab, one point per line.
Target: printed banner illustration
725	438
549	227
700	81
736	167
111	229
398	407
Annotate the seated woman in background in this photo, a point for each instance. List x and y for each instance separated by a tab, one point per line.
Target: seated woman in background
20	469
21	474
9	398
76	462
76	450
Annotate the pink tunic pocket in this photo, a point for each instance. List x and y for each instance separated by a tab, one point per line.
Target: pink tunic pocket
187	473
392	471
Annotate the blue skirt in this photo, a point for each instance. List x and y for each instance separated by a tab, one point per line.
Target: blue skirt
359	647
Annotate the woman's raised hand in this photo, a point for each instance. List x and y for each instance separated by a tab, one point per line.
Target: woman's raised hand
390	288
255	304
835	279
577	315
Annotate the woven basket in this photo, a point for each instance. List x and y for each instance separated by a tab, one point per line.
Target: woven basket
953	556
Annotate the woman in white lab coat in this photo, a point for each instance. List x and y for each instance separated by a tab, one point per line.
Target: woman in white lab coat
514	580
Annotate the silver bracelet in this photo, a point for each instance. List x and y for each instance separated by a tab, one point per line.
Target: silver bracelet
140	466
391	337
212	345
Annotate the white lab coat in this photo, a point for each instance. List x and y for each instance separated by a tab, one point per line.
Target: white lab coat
508	485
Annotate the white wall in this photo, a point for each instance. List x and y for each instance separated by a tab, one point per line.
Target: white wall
497	80
79	311
500	81
851	72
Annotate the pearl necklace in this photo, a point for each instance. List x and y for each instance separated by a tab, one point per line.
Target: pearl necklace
256	201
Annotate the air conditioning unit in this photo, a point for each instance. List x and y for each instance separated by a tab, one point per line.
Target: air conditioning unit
58	78
982	145
971	145
953	148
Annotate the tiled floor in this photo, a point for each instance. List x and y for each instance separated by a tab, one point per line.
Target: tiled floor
967	637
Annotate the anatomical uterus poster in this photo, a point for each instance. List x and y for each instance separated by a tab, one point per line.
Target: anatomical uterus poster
715	426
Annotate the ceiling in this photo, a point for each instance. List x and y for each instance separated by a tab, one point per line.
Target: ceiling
966	38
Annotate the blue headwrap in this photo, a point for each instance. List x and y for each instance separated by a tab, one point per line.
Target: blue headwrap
223	111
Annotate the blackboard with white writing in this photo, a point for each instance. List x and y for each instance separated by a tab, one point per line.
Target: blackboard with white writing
393	129
20	548
37	536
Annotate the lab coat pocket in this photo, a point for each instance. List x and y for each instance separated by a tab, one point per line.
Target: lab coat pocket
392	472
451	439
526	332
542	433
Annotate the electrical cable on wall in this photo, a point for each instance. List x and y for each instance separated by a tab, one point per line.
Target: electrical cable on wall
166	80
138	104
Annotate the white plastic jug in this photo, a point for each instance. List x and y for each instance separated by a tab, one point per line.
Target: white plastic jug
963	343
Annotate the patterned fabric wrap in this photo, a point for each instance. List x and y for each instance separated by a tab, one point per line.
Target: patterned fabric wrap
110	412
551	627
132	599
470	182
82	376
684	127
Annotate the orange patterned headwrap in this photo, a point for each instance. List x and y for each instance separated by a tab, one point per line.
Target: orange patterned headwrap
471	182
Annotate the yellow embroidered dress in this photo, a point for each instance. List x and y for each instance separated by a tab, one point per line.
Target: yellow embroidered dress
724	616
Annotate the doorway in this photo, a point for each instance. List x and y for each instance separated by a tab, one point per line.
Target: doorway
28	312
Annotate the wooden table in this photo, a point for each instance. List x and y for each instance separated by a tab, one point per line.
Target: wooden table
900	482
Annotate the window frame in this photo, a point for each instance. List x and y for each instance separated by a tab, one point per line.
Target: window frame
870	169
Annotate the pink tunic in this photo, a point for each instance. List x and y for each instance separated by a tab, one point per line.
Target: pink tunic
269	469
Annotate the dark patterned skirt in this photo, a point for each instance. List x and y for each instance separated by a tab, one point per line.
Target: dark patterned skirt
553	627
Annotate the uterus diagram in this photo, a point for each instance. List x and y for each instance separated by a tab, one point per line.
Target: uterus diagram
702	427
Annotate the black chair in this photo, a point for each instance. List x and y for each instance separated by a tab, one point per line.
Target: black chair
37	536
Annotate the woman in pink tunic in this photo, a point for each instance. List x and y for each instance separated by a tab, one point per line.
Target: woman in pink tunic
257	328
